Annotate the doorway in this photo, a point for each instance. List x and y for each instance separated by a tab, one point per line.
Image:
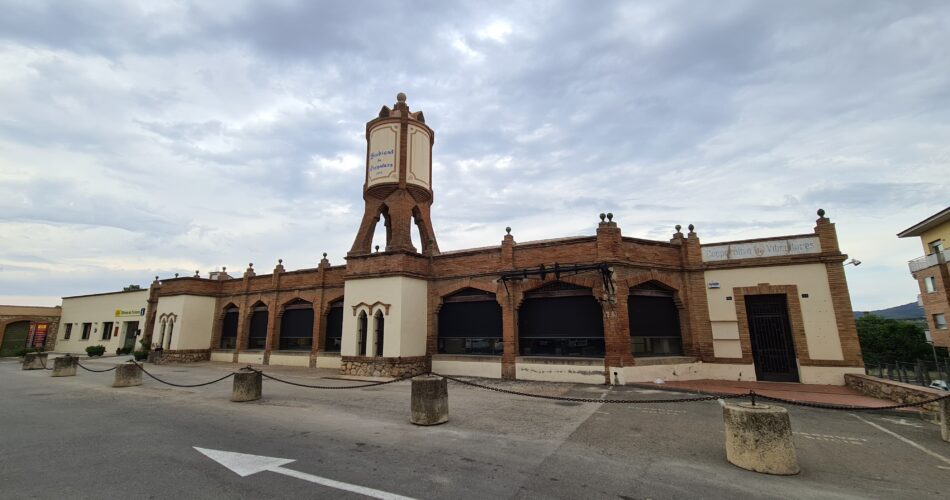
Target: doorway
771	335
131	328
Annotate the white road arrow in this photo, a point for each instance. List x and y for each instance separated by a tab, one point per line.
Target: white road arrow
244	465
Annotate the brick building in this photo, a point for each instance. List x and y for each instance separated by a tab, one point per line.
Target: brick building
932	272
599	308
23	327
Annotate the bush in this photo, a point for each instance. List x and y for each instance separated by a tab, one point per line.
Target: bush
140	355
24	351
123	350
96	350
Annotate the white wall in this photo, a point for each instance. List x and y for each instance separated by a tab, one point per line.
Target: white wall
818	315
194	323
99	309
405	323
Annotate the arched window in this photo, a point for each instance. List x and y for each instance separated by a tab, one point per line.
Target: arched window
296	326
15	337
361	328
470	323
171	328
257	335
161	337
334	336
654	321
229	328
379	328
561	319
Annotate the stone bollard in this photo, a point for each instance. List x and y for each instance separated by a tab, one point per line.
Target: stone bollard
155	357
127	375
65	366
944	405
34	360
759	438
430	400
247	385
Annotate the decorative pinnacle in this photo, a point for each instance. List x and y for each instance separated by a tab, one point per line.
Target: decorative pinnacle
156	278
678	227
602	217
610	217
508	230
401	97
821	212
691	228
250	264
280	261
377	248
324	255
176	275
197	274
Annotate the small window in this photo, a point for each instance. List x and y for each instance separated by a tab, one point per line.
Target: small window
86	329
930	284
69	331
935	246
940	321
107	330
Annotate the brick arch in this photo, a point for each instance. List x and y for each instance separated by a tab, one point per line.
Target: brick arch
586	282
644	279
7	322
441	292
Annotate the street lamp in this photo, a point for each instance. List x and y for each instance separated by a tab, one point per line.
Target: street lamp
856	262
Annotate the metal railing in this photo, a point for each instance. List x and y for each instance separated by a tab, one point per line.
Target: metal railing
920	373
928	261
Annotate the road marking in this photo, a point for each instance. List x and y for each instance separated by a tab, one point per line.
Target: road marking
902	422
659	411
908	441
244	465
831	438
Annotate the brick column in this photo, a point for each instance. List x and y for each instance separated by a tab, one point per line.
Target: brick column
274	313
616	333
840	296
509	318
700	341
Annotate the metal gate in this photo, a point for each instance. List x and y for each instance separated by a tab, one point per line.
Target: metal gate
14	338
771	336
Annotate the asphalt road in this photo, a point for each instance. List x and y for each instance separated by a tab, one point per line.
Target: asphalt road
81	438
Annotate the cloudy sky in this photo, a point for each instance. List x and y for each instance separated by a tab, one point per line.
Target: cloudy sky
149	138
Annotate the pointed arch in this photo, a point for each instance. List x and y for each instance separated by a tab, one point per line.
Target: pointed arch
379	328
561	318
333	338
257	327
296	325
653	314
230	316
470	322
361	332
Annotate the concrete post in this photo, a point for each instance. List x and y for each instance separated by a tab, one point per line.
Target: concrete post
247	385
944	405
430	400
759	438
34	360
65	366
155	357
127	375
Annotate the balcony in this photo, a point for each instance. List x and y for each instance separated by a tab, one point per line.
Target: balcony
926	261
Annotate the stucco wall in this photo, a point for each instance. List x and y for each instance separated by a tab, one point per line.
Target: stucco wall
561	370
826	375
284	359
405	321
99	309
331	361
475	366
941	232
193	324
688	371
818	315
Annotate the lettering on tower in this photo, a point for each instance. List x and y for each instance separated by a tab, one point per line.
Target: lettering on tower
383	151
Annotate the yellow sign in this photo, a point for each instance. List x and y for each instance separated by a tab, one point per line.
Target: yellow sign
119	313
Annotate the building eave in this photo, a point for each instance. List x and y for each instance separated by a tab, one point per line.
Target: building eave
927	224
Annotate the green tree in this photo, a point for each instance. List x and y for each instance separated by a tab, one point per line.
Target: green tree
889	340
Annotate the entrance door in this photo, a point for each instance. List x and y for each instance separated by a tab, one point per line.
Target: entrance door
771	335
14	338
130	328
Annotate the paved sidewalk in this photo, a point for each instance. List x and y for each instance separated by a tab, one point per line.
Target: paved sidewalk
811	393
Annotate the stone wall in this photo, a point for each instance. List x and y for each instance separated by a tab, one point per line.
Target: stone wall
14	314
893	391
186	356
364	366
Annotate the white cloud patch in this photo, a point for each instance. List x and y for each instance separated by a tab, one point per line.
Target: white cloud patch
142	140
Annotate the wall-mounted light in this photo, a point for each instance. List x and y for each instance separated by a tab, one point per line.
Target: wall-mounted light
856	262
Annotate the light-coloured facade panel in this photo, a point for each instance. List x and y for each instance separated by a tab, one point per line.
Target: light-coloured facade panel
113	319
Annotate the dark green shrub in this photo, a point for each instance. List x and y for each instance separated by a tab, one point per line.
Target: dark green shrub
140	355
96	350
123	350
21	352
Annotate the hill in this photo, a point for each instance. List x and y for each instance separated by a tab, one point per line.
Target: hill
906	311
